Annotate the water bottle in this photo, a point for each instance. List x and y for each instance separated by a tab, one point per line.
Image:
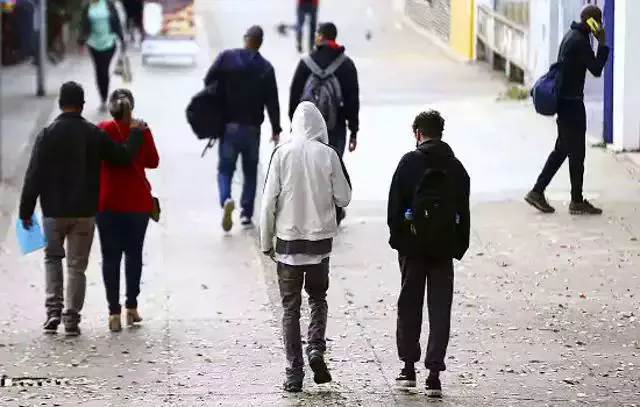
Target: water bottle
408	215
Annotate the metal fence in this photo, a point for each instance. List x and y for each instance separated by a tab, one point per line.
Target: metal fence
503	39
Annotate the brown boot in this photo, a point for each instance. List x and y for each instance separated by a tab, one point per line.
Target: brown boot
115	323
133	317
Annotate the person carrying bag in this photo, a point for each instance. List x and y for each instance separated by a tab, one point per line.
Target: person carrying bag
126	205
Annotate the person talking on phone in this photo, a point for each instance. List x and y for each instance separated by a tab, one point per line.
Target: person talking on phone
576	57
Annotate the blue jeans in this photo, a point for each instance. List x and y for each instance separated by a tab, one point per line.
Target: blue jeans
303	11
122	233
245	140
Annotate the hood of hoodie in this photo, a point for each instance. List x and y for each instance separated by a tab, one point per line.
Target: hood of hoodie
582	27
436	148
326	52
307	124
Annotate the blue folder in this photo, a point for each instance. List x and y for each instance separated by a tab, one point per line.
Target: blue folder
32	239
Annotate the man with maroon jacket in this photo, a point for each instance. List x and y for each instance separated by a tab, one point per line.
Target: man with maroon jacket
306	8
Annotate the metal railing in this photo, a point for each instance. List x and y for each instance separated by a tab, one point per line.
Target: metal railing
503	37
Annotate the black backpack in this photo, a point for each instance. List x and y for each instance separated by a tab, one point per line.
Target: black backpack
205	113
434	215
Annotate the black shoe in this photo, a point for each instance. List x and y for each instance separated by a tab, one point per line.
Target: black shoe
293	385
538	201
406	378
299	47
584	208
51	324
433	387
71	322
246	222
321	373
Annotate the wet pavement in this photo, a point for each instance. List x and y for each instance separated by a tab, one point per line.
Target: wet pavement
546	307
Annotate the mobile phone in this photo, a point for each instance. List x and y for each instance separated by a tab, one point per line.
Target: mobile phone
593	24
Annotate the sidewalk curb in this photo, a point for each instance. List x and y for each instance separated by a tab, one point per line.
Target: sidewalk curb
11	185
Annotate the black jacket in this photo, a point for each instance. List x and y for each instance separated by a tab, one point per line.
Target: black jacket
405	180
347	75
64	170
248	83
576	57
114	21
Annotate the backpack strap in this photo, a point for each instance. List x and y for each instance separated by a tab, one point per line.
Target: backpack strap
328	71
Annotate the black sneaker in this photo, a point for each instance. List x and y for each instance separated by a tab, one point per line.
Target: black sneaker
51	324
321	373
406	378
299	47
71	322
246	222
433	387
293	385
538	201
584	208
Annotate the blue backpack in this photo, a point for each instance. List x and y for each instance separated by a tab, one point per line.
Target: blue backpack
545	91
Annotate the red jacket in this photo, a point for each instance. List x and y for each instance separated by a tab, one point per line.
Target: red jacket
125	188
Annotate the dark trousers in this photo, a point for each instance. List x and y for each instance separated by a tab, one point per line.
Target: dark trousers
238	140
122	233
572	128
134	11
437	275
315	280
102	64
304	11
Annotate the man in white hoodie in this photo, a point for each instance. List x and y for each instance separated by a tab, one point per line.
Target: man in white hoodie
305	182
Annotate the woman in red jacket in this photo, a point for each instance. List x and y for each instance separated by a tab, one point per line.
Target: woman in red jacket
124	210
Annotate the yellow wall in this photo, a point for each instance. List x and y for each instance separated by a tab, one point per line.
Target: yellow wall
461	39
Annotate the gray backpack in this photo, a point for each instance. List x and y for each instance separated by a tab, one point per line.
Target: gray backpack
323	89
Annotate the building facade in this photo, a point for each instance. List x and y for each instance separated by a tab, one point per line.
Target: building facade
449	21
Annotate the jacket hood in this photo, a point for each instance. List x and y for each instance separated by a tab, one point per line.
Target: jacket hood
331	47
308	124
582	27
437	148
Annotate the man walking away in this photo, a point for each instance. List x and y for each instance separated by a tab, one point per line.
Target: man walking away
248	82
306	9
328	78
428	217
576	57
303	221
64	172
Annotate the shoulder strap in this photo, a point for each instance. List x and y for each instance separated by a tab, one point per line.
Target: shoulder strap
328	71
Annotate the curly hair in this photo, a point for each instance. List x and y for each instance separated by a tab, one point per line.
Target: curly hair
429	123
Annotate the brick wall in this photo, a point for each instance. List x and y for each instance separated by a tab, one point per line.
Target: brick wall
433	15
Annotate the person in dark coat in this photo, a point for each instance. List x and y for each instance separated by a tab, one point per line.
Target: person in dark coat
306	9
64	174
576	58
418	270
248	83
327	50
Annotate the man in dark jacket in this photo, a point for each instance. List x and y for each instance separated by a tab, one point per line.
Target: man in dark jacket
64	172
576	57
248	83
328	50
306	9
418	269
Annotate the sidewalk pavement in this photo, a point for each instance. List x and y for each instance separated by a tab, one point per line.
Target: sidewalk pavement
545	306
23	116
